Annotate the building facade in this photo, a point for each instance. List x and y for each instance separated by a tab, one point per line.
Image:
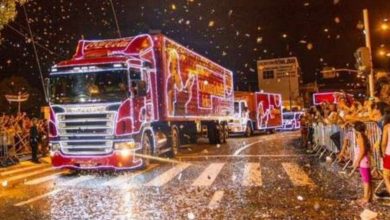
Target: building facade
282	76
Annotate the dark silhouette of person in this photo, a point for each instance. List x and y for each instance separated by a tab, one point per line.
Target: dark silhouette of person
34	140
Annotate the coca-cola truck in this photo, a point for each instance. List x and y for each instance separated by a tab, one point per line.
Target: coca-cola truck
118	102
256	111
331	97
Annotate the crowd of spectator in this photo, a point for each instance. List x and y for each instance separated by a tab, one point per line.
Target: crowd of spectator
344	113
15	135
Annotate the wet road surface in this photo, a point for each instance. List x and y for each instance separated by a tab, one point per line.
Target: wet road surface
261	177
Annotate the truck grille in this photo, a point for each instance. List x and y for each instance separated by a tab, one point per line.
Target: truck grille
86	133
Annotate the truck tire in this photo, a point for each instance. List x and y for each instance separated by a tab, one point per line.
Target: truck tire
175	142
226	131
147	149
249	130
212	133
220	134
223	133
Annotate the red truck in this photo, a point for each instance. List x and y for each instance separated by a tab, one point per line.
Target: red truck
259	111
331	97
117	102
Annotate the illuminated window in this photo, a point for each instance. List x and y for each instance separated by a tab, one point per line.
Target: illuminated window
268	74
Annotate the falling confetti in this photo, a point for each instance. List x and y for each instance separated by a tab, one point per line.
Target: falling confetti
309	46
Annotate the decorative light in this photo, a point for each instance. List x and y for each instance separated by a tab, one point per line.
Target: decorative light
381	52
384	26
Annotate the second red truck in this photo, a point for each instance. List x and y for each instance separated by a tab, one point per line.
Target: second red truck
256	111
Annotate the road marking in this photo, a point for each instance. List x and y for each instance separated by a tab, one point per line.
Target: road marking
247	146
22	169
27	175
71	182
297	176
44	179
208	175
252	175
237	152
123	180
168	175
216	199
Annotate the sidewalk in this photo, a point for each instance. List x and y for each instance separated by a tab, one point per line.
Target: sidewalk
19	173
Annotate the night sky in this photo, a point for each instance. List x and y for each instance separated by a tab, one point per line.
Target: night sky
234	33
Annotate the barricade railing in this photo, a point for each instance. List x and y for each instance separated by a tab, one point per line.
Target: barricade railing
13	147
322	139
323	143
7	151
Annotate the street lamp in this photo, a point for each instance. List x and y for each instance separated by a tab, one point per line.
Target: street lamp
382	53
289	89
384	26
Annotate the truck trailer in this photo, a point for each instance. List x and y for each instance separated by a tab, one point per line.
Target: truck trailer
256	112
116	103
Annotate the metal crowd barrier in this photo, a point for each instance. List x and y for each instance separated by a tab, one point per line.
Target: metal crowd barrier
323	144
7	153
322	139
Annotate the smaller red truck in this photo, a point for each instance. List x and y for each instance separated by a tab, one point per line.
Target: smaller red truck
256	111
330	97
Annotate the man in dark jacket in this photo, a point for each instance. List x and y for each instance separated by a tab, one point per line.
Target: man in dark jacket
34	140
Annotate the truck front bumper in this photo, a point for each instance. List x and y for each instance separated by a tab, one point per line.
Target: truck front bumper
236	128
114	161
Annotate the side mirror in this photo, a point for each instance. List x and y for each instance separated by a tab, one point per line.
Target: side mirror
47	90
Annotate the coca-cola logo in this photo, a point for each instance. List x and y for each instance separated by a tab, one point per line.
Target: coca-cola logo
105	44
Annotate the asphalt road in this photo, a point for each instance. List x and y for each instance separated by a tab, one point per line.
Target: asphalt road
262	177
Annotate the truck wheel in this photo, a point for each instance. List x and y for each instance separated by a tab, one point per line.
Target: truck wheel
147	145
175	143
212	133
248	131
221	134
225	132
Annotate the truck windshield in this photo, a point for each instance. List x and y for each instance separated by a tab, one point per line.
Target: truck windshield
105	86
236	107
288	116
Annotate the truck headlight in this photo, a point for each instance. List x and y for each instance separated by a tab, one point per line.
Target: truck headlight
127	145
125	149
55	146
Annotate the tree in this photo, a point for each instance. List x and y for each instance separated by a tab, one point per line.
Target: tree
8	11
12	86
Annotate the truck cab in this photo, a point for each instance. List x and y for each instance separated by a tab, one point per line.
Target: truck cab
102	105
241	122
